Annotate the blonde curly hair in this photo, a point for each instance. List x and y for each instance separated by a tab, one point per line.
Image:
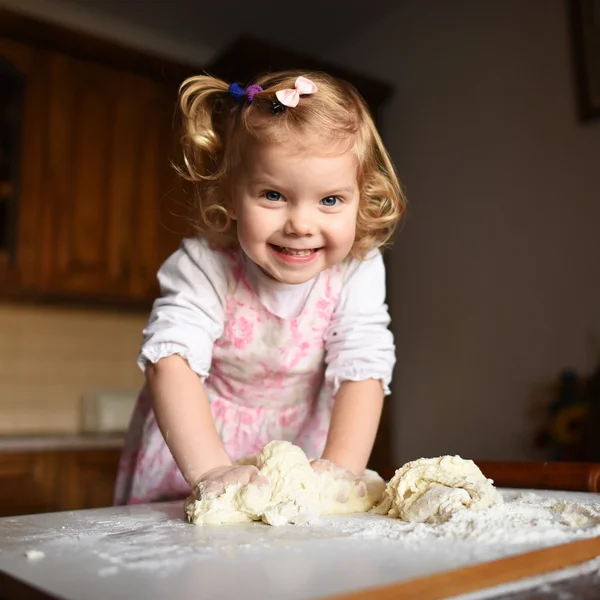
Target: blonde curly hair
217	128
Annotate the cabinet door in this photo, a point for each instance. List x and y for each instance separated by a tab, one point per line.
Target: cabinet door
111	189
28	483
99	164
87	478
22	114
163	205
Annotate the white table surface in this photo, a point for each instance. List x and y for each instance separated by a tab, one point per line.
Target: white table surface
150	551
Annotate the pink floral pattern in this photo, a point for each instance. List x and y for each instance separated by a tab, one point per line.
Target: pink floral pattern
266	383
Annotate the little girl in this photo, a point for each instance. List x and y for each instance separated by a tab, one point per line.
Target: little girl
272	323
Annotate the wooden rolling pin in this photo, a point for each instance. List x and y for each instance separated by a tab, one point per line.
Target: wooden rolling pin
484	575
574	476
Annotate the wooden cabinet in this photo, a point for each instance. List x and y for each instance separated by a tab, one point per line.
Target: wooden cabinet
87	479
163	205
21	120
28	483
108	148
48	481
97	207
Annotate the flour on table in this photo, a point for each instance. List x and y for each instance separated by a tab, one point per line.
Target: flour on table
523	520
295	493
432	490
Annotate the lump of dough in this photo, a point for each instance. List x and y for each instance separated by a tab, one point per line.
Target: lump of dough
289	497
431	490
237	504
294	493
293	484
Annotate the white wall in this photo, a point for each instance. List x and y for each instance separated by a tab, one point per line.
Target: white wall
495	276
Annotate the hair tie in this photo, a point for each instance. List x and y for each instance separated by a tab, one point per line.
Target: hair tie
251	91
238	92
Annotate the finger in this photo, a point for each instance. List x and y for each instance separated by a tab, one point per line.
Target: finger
211	488
258	479
361	488
213	474
342	495
322	465
237	475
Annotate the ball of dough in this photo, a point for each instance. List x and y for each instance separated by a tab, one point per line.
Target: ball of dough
289	497
294	493
431	490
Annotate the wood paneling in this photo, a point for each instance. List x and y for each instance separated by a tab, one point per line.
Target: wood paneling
28	483
38	482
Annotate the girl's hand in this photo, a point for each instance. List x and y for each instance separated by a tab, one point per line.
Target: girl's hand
214	482
352	483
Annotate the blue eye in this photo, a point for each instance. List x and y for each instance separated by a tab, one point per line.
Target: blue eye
272	195
330	201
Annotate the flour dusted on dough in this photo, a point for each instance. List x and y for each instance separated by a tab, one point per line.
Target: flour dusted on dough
431	490
292	482
287	498
294	493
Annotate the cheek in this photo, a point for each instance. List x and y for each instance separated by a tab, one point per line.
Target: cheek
344	230
254	225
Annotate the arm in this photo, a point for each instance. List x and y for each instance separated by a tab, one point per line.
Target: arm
360	357
354	423
177	353
184	418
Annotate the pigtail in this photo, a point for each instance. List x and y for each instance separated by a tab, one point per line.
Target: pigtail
200	98
208	113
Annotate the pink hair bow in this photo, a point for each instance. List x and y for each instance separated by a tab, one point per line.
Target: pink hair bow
291	97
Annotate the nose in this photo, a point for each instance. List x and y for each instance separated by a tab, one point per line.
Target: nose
299	222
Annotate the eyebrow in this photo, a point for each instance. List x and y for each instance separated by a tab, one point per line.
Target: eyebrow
263	181
342	189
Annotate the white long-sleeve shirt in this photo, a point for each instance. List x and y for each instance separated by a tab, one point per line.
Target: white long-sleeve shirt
190	315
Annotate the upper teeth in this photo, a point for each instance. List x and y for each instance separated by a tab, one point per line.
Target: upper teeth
295	252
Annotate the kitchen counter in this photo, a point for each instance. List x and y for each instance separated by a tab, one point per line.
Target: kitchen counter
151	552
60	442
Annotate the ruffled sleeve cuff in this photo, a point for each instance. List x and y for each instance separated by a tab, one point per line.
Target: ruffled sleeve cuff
356	373
155	352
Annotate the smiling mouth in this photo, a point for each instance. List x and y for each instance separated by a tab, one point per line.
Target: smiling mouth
295	251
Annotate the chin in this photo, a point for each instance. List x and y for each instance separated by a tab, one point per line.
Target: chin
289	278
298	279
